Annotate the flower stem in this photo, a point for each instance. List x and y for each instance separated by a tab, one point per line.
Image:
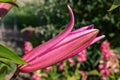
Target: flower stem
15	74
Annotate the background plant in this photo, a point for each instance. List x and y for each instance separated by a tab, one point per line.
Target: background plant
48	18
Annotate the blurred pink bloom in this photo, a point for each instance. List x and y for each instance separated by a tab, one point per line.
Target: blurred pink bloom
107	64
65	45
110	62
84	75
4	8
36	77
82	72
105	46
48	68
83	52
100	66
27	47
82	56
45	75
72	61
61	66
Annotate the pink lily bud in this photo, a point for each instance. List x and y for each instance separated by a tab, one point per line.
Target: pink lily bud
4	8
27	47
65	45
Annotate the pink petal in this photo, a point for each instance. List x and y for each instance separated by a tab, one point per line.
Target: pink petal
59	53
73	36
97	39
41	49
84	46
84	28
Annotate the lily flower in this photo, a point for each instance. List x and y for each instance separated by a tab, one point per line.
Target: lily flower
65	45
4	8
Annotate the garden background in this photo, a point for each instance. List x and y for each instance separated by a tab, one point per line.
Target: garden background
39	20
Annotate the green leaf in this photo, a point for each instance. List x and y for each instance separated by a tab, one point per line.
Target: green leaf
71	78
6	0
6	61
93	72
7	53
3	71
10	2
115	4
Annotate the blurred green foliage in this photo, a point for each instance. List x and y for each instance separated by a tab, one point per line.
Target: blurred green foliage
54	12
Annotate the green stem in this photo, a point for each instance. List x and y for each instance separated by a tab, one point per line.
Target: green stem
77	71
66	69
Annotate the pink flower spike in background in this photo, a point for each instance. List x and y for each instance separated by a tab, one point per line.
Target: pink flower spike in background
4	8
72	61
65	45
82	56
27	47
61	66
110	61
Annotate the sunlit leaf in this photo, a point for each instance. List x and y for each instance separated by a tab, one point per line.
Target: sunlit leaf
3	71
6	0
115	4
10	2
6	61
7	53
71	78
93	72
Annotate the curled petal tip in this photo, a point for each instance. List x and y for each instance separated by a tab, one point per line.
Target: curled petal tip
96	31
68	6
71	14
91	26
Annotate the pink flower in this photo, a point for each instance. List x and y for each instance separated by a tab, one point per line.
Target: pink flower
84	75
36	77
27	47
71	61
4	8
110	60
82	72
65	45
61	66
45	75
100	66
82	56
105	46
107	64
48	68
